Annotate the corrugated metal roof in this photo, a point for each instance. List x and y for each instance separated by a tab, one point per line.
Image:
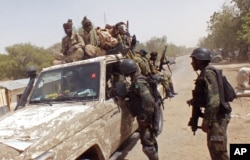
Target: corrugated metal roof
14	84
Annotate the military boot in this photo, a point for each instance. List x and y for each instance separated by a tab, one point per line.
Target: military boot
151	153
169	94
172	90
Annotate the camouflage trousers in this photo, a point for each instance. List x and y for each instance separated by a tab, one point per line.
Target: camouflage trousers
217	140
76	55
94	51
165	81
148	140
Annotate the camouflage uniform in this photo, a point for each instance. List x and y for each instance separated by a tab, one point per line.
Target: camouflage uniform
142	104
72	47
165	78
143	64
91	39
214	122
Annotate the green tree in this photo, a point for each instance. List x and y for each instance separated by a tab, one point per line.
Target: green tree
23	55
244	33
4	66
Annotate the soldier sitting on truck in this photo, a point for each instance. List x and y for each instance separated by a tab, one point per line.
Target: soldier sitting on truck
91	39
72	46
126	42
166	80
98	41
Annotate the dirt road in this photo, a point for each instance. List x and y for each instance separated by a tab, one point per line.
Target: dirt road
177	141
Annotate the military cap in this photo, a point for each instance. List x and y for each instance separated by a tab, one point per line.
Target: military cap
69	24
86	22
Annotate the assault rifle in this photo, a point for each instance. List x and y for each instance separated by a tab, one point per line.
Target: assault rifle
196	113
163	58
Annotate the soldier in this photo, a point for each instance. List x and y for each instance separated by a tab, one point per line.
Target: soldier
120	32
72	44
142	61
91	39
206	94
166	79
142	103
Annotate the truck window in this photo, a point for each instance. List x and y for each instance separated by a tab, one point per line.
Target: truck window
113	75
79	82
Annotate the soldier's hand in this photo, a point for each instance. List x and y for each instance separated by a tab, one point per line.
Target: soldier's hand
189	102
72	49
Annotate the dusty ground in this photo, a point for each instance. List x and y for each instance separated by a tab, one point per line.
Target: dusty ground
177	141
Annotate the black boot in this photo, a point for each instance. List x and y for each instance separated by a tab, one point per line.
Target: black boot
172	90
168	94
151	153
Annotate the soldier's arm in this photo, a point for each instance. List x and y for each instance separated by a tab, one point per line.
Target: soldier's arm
213	99
80	43
144	93
64	49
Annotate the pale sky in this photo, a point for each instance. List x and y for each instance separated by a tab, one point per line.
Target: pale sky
39	22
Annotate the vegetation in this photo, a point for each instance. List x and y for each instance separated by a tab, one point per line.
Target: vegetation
19	57
229	28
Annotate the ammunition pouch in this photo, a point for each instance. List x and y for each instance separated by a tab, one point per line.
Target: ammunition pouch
121	89
225	107
199	93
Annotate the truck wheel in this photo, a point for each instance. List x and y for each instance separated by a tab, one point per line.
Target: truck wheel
158	120
161	121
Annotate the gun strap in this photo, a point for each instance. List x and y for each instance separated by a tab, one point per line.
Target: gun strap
220	82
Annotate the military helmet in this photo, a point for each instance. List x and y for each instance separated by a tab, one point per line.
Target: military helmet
201	54
143	52
128	66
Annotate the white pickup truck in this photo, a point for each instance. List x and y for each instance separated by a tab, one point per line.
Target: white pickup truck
64	120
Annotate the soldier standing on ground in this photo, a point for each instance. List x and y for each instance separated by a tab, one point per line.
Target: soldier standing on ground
206	94
142	103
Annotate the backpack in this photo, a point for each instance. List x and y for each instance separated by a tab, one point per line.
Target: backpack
107	42
226	91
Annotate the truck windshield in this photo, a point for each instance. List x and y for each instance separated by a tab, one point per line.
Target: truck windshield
79	82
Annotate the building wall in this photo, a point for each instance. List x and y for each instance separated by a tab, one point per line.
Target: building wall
3	102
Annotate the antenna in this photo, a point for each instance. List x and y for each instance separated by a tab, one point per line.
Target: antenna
105	20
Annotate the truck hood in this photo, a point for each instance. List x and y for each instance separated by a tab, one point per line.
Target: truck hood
39	126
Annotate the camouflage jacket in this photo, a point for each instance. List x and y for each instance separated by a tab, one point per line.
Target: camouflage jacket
91	37
68	43
206	93
143	65
141	99
153	67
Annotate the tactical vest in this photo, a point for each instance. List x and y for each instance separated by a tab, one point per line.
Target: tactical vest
135	101
199	92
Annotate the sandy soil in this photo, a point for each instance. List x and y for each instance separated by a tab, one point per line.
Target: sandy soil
177	141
